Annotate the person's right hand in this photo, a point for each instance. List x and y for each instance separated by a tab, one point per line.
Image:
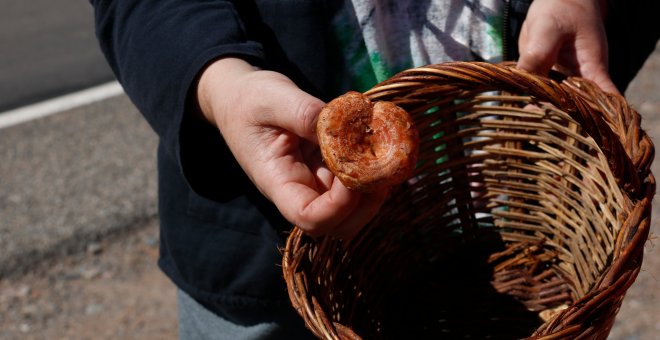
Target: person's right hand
269	125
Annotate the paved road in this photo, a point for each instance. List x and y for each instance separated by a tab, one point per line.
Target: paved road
70	179
48	49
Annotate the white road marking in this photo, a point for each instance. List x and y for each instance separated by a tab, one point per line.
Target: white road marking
59	104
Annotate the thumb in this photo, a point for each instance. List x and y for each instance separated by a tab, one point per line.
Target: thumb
288	107
600	75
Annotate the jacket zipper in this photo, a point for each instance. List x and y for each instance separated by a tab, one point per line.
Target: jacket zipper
506	30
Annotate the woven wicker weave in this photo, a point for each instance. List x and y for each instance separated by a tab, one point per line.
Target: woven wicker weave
526	217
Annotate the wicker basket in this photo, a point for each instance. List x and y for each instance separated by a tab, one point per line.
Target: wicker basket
526	217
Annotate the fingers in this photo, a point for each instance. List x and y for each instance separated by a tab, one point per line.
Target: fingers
338	212
566	35
330	209
539	44
316	213
599	74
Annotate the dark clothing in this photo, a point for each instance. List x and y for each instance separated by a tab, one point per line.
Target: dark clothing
220	239
632	34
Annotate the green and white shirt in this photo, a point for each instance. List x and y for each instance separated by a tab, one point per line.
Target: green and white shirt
382	37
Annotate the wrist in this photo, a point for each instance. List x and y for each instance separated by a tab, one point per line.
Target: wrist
216	79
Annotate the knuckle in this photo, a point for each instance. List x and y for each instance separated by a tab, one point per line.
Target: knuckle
307	113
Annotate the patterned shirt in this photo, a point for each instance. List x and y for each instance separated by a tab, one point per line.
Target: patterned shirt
382	37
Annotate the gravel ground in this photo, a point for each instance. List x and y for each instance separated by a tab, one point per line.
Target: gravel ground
113	289
73	178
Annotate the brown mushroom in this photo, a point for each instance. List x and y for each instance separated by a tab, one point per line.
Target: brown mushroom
368	146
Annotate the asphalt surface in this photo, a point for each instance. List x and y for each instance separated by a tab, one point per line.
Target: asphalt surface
70	179
48	49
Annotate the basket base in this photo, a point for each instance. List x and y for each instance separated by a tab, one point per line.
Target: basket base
453	296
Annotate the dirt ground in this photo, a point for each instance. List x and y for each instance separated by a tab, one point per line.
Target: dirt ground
112	291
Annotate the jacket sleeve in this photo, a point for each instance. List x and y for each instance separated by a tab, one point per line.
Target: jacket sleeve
156	49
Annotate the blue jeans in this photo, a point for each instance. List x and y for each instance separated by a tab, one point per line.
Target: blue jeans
198	323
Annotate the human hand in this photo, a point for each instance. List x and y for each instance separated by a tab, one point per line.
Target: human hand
568	35
269	125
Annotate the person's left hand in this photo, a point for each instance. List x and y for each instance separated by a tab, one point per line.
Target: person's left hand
568	35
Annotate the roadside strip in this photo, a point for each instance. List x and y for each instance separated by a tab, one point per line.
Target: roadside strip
59	104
